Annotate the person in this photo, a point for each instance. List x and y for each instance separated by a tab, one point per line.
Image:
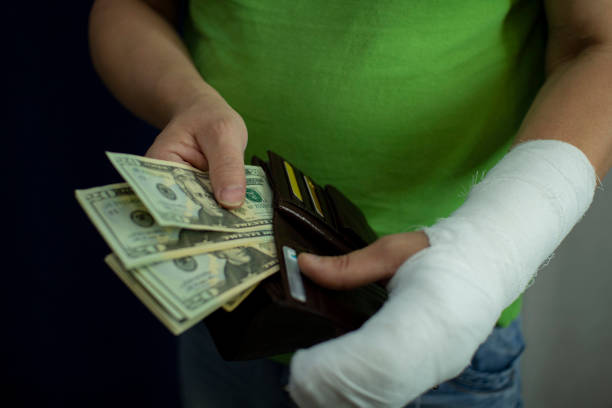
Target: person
471	134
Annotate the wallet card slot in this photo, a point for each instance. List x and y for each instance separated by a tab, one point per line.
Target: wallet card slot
294	275
292	180
307	201
326	206
282	190
313	194
313	228
292	186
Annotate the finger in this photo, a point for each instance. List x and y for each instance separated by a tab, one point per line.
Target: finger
225	153
376	262
345	271
168	156
175	157
192	155
173	146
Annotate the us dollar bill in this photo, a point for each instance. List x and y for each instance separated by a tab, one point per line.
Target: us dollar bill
137	239
178	195
182	292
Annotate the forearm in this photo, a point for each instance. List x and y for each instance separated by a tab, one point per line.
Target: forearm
575	106
142	60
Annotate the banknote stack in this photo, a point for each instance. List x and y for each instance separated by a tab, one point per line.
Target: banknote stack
178	251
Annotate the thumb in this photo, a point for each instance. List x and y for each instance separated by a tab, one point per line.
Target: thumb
225	157
348	271
376	262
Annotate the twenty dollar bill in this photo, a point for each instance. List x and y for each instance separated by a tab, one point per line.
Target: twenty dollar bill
178	195
135	237
184	291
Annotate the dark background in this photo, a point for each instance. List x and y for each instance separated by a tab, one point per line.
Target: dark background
76	335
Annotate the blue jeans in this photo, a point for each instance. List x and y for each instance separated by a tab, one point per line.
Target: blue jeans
491	380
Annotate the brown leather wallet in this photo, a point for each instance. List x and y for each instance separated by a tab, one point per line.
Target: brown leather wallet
288	311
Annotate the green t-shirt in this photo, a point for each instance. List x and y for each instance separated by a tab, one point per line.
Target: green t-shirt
400	104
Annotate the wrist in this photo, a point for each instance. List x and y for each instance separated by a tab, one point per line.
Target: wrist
181	92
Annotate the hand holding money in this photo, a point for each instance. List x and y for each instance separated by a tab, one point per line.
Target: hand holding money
207	134
180	253
178	195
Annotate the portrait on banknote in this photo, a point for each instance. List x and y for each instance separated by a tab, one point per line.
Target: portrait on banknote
241	262
210	212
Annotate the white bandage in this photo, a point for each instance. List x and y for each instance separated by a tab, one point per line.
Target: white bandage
445	300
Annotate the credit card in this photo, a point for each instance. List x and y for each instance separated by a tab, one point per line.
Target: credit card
296	286
295	189
313	196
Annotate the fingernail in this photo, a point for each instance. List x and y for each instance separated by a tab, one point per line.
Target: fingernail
231	195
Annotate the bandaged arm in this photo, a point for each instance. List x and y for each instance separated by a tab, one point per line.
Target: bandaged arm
444	301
